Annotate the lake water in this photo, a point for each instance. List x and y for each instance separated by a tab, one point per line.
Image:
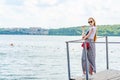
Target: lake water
34	57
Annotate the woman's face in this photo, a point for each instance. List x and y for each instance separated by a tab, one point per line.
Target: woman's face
91	22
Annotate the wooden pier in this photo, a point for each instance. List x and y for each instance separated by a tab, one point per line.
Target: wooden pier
104	75
108	74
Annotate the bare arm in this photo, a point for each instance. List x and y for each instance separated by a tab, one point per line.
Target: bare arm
83	31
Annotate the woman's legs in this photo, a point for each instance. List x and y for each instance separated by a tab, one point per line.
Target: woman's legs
91	58
90	70
83	61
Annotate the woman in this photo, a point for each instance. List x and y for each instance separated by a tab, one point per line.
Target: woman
90	37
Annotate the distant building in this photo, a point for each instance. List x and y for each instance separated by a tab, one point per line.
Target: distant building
31	31
38	31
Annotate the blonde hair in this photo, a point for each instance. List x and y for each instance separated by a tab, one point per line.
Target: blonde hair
95	37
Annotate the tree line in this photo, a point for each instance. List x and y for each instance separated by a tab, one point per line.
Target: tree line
102	30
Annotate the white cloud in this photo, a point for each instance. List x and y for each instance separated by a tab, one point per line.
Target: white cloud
30	2
49	2
58	13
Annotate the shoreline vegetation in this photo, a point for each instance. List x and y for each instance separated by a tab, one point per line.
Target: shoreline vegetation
102	30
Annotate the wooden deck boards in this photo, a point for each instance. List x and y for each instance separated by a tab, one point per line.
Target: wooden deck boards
105	75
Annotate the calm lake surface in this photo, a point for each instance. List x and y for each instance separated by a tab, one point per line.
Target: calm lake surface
33	57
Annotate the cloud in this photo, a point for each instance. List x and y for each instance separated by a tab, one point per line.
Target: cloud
57	13
48	2
14	2
2	2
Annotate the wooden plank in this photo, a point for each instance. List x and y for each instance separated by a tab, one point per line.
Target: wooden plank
105	75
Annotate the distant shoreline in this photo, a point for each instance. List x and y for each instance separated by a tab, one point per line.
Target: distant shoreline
102	30
46	35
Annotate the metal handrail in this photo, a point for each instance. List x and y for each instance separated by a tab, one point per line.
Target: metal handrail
80	41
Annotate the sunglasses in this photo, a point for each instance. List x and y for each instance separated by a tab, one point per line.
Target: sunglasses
90	21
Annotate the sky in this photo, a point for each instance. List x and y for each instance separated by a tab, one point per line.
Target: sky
57	13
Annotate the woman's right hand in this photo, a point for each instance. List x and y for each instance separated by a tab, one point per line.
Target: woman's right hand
83	27
83	32
83	35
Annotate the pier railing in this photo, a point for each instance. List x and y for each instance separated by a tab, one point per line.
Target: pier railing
79	41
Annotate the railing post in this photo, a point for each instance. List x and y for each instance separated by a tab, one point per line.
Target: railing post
86	59
68	61
107	57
